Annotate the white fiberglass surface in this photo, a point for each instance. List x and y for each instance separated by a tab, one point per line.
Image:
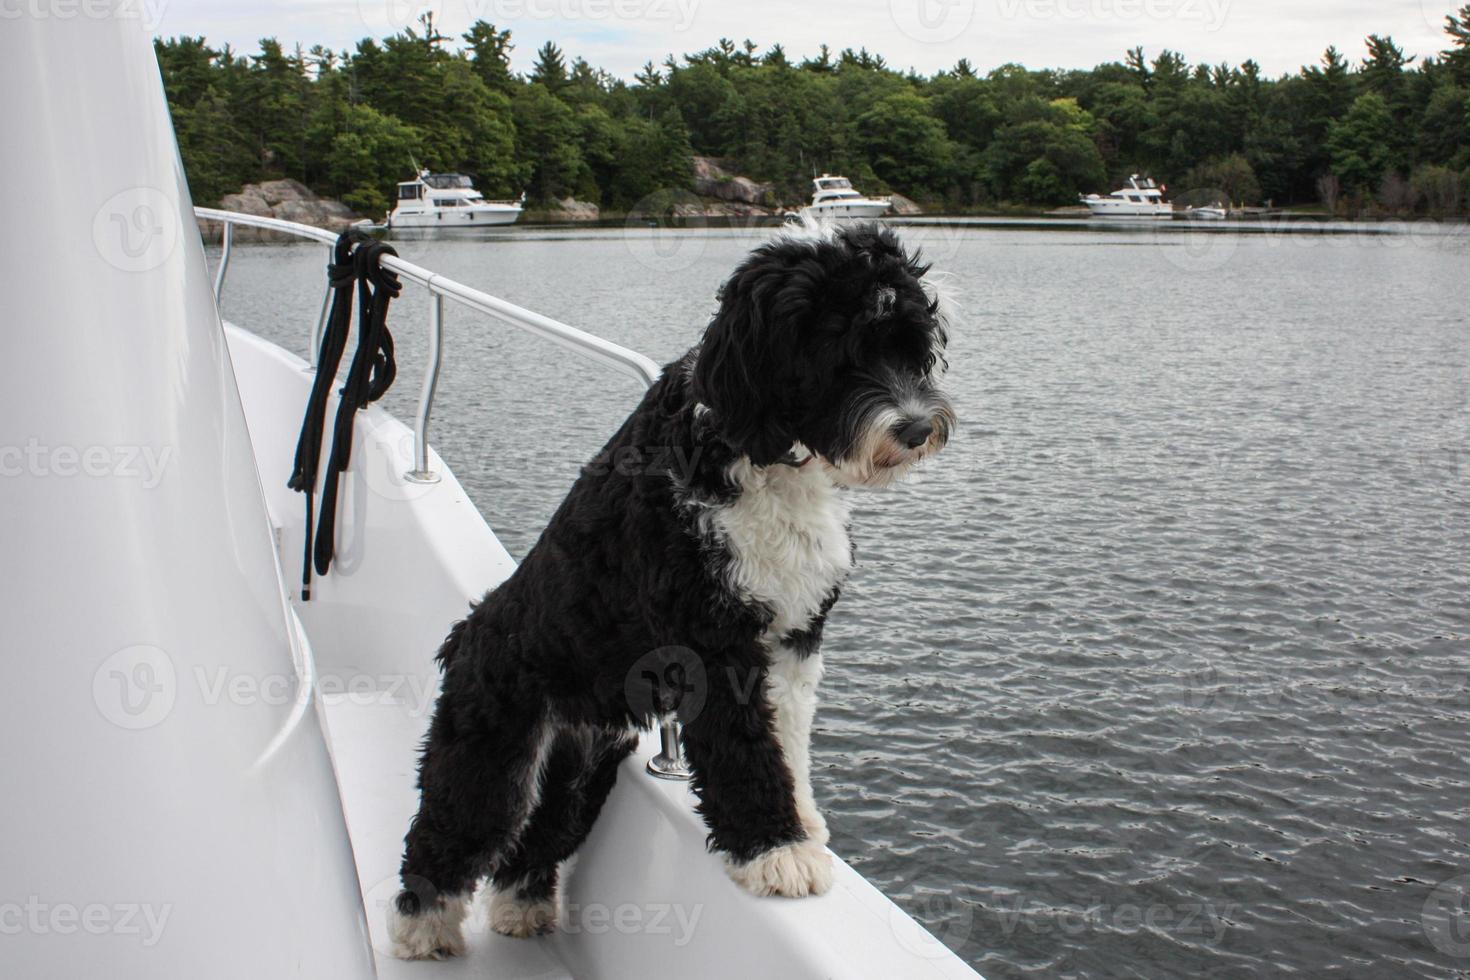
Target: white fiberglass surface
164	817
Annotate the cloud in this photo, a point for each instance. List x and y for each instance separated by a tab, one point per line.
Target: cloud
929	35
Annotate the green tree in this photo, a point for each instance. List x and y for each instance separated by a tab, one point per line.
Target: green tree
369	157
1047	159
550	70
1361	144
546	143
490	50
1233	176
906	146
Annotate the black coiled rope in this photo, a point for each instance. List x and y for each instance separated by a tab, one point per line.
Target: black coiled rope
355	260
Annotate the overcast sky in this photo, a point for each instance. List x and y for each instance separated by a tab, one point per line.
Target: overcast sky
620	35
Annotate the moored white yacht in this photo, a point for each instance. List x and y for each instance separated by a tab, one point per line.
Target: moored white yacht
446	202
1142	198
834	197
211	774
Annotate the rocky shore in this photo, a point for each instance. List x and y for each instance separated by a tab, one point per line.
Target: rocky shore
288	200
715	192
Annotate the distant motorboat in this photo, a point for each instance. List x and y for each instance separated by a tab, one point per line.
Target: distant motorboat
1142	198
448	201
1210	212
834	197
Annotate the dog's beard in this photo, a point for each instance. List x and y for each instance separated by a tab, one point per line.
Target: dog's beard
874	457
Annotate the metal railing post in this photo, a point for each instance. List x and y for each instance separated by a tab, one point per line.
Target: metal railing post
315	353
421	472
670	762
227	236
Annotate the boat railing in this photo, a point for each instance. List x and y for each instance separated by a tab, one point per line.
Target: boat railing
669	762
440	288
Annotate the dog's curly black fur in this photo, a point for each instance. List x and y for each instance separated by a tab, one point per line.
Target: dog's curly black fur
818	373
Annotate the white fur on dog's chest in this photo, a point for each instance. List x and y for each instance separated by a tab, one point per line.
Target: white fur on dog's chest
787	535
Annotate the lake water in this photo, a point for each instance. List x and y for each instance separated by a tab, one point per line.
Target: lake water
1163	667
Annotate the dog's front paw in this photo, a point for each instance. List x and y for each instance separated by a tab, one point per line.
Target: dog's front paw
434	933
794	870
521	918
814	825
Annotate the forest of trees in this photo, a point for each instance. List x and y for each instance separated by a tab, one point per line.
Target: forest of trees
1382	133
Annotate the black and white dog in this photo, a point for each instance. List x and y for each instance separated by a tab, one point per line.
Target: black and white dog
726	543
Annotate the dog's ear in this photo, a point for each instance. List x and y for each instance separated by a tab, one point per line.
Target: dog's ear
744	369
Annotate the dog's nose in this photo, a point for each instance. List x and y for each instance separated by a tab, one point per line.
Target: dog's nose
916	433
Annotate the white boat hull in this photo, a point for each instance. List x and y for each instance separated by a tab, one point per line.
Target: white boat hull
866	208
453	218
1105	208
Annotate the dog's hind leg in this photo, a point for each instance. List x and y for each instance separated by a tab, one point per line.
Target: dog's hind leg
580	772
479	784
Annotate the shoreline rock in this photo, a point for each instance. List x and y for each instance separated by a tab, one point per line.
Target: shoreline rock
904	207
712	179
288	200
567	209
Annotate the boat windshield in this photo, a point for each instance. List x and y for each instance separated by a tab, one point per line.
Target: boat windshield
444	182
833	183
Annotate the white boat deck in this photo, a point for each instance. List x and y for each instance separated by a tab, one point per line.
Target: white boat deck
374	745
644	890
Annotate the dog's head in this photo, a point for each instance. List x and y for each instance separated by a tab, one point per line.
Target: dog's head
828	341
